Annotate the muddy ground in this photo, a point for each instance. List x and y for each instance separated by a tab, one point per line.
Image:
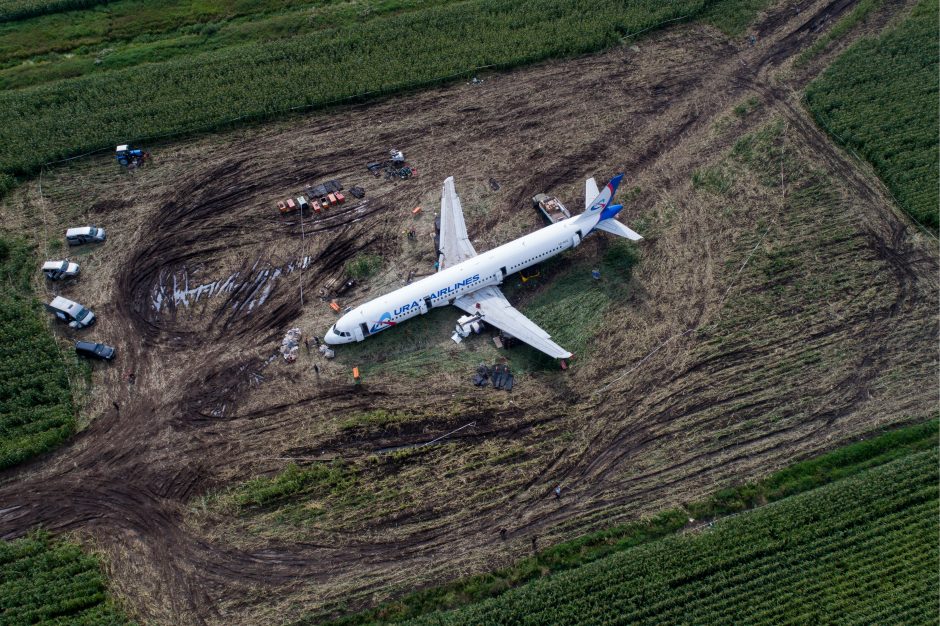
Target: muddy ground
773	315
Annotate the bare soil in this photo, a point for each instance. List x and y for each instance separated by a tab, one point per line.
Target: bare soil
720	367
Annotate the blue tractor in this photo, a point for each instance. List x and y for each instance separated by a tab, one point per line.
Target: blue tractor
130	157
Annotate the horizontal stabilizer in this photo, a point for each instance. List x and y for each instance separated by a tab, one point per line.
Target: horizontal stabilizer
618	228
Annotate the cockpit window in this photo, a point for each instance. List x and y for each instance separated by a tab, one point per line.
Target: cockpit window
92	231
82	314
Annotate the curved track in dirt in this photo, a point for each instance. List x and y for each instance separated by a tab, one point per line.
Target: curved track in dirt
188	419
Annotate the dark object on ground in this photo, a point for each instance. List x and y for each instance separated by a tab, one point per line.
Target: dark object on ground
94	350
323	189
357	192
499	375
376	168
494	185
502	377
481	378
349	284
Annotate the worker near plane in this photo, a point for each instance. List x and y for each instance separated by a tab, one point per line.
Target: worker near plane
470	281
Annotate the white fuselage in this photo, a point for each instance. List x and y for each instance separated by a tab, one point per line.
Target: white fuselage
442	288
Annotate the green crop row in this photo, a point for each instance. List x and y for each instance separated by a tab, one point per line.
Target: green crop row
880	99
801	477
36	411
849	551
52	582
207	91
11	10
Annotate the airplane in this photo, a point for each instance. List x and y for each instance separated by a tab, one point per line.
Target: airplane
470	281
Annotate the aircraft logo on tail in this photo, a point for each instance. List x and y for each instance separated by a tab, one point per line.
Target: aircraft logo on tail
605	196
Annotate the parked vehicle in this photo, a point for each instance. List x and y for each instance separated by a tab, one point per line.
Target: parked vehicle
130	157
57	270
94	350
84	234
75	314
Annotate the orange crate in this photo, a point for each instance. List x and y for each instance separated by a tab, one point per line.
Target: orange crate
334	306
416	210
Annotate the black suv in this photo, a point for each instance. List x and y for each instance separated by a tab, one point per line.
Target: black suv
94	350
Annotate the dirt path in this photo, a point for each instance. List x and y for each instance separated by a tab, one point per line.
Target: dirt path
198	405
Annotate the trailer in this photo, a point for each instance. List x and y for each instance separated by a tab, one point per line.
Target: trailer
551	208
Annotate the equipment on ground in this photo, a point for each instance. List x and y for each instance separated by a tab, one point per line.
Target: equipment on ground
499	375
130	157
466	325
551	208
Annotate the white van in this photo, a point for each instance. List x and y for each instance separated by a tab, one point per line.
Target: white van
57	270
72	312
84	234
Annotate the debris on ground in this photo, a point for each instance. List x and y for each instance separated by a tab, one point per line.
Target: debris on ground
326	351
318	191
481	378
291	344
342	289
499	376
465	325
357	192
504	340
394	167
494	185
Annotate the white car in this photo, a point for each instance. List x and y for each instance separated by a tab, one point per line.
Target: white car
57	270
84	234
72	312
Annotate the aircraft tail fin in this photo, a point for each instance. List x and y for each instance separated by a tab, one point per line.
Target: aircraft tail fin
604	197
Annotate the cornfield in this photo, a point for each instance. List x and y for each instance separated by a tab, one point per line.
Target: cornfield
208	91
880	99
12	10
861	550
35	401
48	582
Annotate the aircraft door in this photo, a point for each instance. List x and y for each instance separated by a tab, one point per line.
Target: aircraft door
425	305
575	239
357	333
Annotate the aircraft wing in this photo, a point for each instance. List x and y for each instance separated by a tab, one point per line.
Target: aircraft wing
590	192
494	309
455	245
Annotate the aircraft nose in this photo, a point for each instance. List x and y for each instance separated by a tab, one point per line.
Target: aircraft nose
332	337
